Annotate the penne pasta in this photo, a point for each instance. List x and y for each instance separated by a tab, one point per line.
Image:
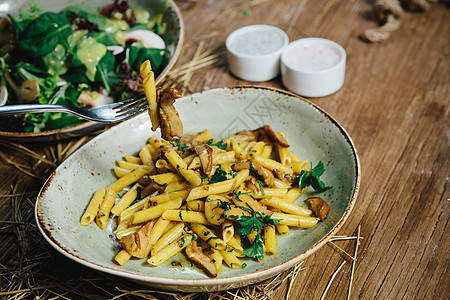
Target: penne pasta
148	82
286	207
126	200
154	212
133	159
185	216
294	220
171	249
105	208
208	236
93	208
174	193
270	239
227	230
174	233
129	178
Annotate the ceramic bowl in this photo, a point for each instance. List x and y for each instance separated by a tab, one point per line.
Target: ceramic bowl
311	132
254	52
173	37
313	67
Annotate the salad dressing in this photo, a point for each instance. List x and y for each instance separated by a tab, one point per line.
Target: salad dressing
90	53
54	61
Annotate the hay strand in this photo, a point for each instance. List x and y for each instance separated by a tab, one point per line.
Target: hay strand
331	280
353	264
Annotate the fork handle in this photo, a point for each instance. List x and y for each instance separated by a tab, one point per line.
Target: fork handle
32	108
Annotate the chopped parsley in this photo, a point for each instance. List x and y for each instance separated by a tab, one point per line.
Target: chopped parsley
178	145
256	249
249	223
312	178
218	176
219	144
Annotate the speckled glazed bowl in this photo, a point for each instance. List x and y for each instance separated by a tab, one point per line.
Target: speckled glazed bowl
312	133
173	37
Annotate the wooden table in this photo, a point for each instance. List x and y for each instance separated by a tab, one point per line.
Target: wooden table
395	106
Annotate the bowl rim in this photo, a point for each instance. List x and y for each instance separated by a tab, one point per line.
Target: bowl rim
89	126
166	283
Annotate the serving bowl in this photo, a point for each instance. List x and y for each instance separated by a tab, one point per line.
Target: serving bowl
312	133
173	38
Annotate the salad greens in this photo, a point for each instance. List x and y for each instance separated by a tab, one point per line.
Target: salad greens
79	52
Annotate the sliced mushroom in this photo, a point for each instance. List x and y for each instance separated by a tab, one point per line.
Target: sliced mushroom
137	244
201	260
252	184
286	178
26	91
148	38
265	174
319	207
265	133
115	49
171	125
205	152
94	99
241	136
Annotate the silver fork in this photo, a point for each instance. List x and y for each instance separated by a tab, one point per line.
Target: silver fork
110	113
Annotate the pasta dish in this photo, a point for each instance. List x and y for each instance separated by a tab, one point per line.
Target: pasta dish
220	202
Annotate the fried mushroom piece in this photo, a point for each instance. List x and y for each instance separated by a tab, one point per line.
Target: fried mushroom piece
286	178
252	184
205	153
241	136
171	125
265	133
319	207
196	255
26	91
137	244
265	174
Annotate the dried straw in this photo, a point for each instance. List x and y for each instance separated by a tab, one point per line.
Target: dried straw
354	263
341	251
331	280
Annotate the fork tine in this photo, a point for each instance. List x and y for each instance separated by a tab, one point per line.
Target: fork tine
123	115
131	108
129	102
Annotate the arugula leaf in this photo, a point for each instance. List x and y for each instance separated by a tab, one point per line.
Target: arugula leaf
219	144
256	249
312	178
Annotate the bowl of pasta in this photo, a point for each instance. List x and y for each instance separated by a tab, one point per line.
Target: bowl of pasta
260	179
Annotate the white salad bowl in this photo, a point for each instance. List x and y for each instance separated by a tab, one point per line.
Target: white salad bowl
311	132
173	38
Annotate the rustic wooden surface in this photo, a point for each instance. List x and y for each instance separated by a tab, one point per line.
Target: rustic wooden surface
395	106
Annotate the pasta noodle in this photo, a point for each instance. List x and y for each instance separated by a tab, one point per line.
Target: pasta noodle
231	198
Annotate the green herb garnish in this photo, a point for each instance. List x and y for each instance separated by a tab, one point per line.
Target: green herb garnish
219	144
218	176
312	178
256	249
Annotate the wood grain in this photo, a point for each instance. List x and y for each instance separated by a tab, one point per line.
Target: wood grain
394	104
